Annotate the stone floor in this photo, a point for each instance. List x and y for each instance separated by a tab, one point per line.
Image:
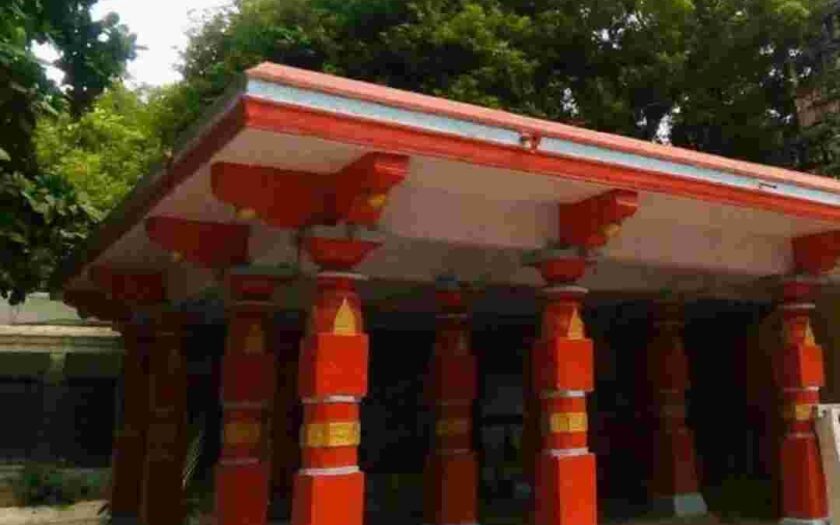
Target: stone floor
85	513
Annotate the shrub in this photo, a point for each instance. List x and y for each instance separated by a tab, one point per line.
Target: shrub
50	484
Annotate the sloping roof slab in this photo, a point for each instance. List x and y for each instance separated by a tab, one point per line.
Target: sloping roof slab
482	189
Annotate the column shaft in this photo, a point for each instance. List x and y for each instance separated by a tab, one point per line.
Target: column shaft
799	375
674	487
162	493
329	488
565	484
243	471
451	468
130	441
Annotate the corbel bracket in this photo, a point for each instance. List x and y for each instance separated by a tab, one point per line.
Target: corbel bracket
356	194
590	223
816	253
206	244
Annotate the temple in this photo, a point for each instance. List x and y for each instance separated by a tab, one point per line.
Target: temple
356	286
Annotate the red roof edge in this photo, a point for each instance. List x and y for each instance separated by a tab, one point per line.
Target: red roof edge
334	85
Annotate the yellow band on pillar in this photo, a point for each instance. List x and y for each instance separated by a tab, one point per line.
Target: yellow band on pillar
801	412
242	433
452	427
673	410
567	422
336	434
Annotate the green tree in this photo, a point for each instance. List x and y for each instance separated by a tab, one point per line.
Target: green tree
105	151
41	216
714	72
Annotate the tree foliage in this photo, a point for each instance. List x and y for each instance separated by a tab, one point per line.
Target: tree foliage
41	215
105	151
713	75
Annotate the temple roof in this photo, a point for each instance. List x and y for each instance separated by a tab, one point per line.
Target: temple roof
481	190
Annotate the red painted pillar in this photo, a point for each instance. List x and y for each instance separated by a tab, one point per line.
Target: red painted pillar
130	442
247	389
329	488
674	487
799	375
162	493
451	468
565	478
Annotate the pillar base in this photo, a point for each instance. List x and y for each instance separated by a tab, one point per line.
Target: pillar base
329	499
241	494
805	521
690	504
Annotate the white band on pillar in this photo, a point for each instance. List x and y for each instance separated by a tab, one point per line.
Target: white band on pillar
344	275
451	451
567	452
556	394
334	471
454	403
801	435
451	316
797	306
565	289
329	400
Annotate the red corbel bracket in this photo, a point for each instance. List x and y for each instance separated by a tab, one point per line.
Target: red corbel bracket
816	253
93	303
590	223
129	287
356	194
361	189
207	244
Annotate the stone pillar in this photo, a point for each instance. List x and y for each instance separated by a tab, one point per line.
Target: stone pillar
162	492
565	478
799	375
329	488
674	487
247	389
130	440
451	468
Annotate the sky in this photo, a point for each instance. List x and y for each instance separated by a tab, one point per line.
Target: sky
160	26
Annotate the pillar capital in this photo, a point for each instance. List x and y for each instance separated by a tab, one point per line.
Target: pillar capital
338	249
255	284
583	228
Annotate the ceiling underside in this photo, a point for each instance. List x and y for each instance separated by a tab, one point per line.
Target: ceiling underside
477	222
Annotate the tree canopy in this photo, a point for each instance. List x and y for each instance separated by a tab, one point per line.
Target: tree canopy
713	75
41	214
